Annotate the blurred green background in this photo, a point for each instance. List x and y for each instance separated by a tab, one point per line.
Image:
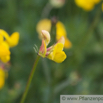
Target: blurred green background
82	71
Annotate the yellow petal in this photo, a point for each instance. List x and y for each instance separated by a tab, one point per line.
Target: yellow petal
88	7
58	47
1	38
81	3
60	30
85	4
5	58
5	34
50	56
5	44
67	44
59	57
4	51
61	40
2	73
60	33
13	40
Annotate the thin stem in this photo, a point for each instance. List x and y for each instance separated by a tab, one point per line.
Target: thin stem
30	79
46	70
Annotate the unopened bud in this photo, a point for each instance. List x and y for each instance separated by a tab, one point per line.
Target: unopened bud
46	36
42	50
57	3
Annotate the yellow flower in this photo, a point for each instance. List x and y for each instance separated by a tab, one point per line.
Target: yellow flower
5	44
45	24
5	58
2	77
11	40
1	39
55	52
60	31
4	50
87	5
4	53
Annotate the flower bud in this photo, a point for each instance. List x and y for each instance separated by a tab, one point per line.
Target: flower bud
57	3
42	50
46	36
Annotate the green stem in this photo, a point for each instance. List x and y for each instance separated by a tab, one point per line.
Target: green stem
30	79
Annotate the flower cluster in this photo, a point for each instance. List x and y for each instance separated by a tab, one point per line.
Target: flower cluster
54	52
45	24
87	5
6	42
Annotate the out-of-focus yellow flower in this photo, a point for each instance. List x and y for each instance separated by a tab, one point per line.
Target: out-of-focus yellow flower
4	50
55	52
2	77
1	39
61	31
57	3
5	58
5	44
11	40
45	24
87	5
